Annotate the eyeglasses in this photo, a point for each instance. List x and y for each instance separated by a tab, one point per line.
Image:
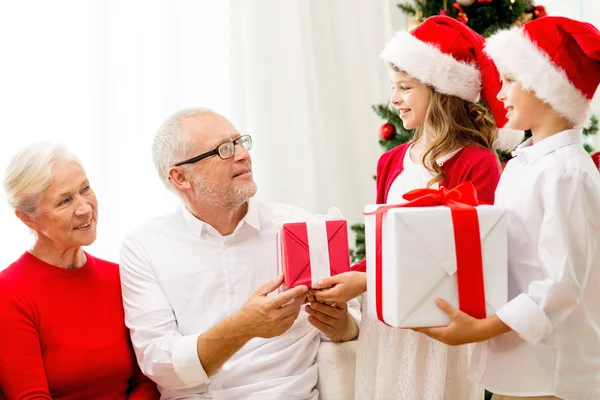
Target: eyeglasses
224	150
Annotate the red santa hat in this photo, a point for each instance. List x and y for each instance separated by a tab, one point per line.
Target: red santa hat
557	58
447	55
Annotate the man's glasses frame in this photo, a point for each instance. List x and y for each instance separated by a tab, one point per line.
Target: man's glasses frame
225	150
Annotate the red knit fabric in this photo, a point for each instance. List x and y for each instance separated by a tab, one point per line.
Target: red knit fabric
63	334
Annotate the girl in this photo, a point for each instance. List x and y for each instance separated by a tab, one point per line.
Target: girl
545	343
437	71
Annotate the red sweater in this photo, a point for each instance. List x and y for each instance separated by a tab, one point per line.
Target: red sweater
63	334
471	164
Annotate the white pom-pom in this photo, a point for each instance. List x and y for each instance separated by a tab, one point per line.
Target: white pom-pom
508	139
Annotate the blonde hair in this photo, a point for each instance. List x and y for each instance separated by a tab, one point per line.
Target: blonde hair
452	123
31	172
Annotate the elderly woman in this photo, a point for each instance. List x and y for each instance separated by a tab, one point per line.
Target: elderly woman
62	329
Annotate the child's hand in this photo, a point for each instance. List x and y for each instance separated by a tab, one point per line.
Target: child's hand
345	287
463	328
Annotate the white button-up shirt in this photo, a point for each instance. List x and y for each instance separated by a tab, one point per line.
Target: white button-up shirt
180	277
551	190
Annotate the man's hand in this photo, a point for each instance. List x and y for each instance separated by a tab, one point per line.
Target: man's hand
333	320
261	316
266	317
463	328
346	286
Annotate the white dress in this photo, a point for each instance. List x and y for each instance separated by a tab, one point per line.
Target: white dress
401	364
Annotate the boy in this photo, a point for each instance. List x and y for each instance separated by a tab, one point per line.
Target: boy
545	342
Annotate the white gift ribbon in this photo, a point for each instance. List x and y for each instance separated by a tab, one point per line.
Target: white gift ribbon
318	245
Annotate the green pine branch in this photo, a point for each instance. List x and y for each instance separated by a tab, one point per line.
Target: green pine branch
484	18
591	131
391	116
387	113
407	9
593	128
358	253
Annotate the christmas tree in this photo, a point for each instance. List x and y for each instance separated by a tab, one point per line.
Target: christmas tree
484	17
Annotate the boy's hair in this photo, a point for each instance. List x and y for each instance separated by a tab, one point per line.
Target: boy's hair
452	123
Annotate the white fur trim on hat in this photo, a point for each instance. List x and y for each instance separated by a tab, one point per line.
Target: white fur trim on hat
515	54
508	139
430	65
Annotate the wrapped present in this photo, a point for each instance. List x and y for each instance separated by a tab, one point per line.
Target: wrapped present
439	244
310	251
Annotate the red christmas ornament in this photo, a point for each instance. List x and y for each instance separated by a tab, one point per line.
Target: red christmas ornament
596	158
387	132
462	17
484	1
539	12
444	12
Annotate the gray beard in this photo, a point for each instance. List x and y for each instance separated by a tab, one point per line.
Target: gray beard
216	195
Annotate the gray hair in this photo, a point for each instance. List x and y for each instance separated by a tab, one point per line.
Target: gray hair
31	172
171	145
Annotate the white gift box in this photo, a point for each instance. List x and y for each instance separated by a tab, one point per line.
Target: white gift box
419	263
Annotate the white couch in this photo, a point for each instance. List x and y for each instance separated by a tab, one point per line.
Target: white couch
337	363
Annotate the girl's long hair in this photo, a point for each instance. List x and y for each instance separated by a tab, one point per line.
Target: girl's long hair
452	123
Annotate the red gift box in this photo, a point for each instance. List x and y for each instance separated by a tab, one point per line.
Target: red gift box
311	251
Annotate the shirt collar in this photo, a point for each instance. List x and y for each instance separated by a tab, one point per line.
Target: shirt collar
531	152
252	217
199	227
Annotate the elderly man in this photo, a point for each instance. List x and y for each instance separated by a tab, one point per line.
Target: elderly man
197	283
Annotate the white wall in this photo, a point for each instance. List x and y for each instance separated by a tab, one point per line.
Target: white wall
100	76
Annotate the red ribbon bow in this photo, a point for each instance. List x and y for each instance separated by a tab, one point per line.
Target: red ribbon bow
469	274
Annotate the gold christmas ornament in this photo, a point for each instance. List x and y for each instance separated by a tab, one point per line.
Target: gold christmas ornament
465	3
415	22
